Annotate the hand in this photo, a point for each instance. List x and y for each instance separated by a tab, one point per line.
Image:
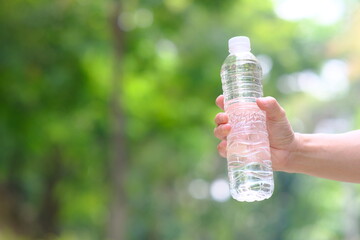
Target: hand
283	140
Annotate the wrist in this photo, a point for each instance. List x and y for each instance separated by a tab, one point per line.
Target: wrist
293	163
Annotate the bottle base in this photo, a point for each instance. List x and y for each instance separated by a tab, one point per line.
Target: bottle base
251	196
252	182
253	191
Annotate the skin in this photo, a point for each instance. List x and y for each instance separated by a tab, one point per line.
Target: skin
331	156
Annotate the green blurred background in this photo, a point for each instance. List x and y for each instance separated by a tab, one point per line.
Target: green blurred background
107	108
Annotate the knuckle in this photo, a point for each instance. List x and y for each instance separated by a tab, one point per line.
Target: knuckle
218	118
221	118
216	131
282	112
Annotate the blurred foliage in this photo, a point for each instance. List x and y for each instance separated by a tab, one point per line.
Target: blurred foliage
57	61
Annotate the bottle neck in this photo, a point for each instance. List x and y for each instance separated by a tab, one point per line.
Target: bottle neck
238	51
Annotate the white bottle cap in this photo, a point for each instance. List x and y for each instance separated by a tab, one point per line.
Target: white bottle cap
239	44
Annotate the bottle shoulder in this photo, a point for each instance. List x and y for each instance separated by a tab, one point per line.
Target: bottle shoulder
245	55
240	59
241	56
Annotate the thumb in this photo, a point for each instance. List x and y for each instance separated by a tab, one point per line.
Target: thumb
280	132
274	112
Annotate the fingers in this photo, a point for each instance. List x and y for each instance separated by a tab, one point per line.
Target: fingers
221	118
223	128
222	148
274	112
220	102
222	131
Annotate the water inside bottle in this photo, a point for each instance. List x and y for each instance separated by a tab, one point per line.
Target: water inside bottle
249	164
251	182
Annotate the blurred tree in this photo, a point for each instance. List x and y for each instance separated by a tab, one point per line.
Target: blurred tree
52	117
118	150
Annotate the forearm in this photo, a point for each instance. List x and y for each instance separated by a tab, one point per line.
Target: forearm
332	156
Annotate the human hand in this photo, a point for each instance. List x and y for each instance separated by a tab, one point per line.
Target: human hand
282	139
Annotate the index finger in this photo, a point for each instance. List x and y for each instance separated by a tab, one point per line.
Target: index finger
220	102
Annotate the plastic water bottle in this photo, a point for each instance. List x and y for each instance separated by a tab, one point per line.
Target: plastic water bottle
248	153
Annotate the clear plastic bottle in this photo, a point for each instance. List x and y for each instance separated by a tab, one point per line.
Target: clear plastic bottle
248	152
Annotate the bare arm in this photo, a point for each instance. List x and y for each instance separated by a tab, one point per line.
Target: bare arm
331	156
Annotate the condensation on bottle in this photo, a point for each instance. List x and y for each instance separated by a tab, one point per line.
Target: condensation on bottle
248	152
